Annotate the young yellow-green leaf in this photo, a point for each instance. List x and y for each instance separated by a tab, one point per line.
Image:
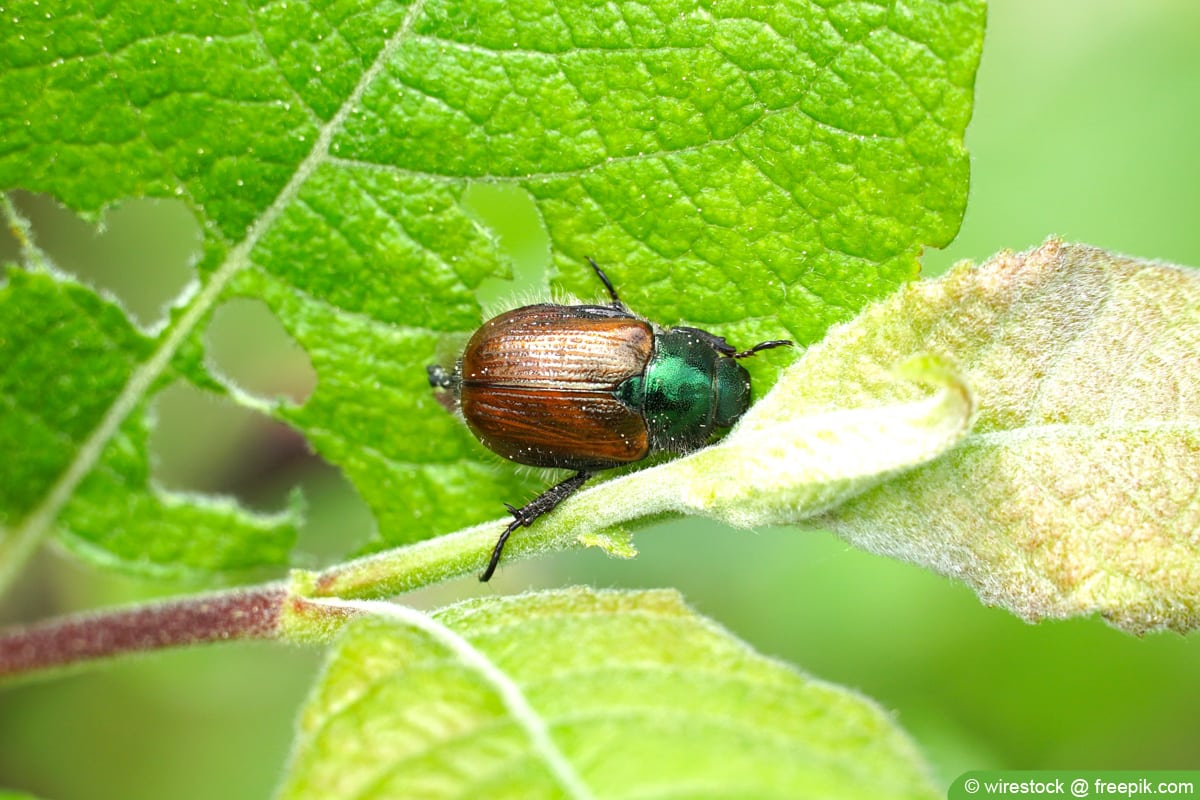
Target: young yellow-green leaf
762	170
1078	490
583	694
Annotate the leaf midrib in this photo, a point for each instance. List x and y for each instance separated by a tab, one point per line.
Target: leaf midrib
1075	430
522	713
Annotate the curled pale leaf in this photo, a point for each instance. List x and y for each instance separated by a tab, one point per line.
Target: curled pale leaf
786	460
583	694
783	464
1077	488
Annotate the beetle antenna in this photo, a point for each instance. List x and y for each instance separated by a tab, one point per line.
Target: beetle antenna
616	301
771	345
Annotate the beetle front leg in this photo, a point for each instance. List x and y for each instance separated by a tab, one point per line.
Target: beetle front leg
524	516
758	348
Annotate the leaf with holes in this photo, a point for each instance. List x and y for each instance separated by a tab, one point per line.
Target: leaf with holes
583	694
57	423
760	170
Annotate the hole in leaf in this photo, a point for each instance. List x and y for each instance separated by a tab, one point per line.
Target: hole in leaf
10	250
202	443
512	215
248	348
142	253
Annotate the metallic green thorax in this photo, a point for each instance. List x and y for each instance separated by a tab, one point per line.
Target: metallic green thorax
687	391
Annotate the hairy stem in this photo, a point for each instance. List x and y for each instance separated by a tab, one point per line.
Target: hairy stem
222	616
281	610
269	611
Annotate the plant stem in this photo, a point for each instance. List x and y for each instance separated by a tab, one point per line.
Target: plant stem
269	611
282	611
222	616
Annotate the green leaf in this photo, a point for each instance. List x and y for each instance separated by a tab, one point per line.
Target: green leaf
580	694
48	413
55	420
760	170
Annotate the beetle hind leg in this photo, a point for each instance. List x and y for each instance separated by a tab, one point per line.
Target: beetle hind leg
524	516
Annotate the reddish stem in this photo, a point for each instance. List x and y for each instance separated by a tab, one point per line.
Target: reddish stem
222	616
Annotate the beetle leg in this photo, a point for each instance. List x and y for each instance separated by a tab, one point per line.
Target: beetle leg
616	301
763	346
717	343
524	516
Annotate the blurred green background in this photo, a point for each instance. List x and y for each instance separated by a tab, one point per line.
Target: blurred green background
1086	122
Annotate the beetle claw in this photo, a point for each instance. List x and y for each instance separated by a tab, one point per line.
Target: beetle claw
526	514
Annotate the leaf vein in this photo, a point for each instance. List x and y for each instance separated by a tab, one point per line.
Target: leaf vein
509	692
25	538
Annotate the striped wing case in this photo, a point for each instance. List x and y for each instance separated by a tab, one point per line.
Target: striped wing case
539	383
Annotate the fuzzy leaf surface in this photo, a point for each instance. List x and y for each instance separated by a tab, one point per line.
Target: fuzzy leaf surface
1078	489
583	694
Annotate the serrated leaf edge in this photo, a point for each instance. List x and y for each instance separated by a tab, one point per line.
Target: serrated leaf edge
19	544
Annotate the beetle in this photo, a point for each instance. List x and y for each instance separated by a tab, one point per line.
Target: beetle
589	388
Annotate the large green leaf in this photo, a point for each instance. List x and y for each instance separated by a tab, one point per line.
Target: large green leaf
582	694
762	170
